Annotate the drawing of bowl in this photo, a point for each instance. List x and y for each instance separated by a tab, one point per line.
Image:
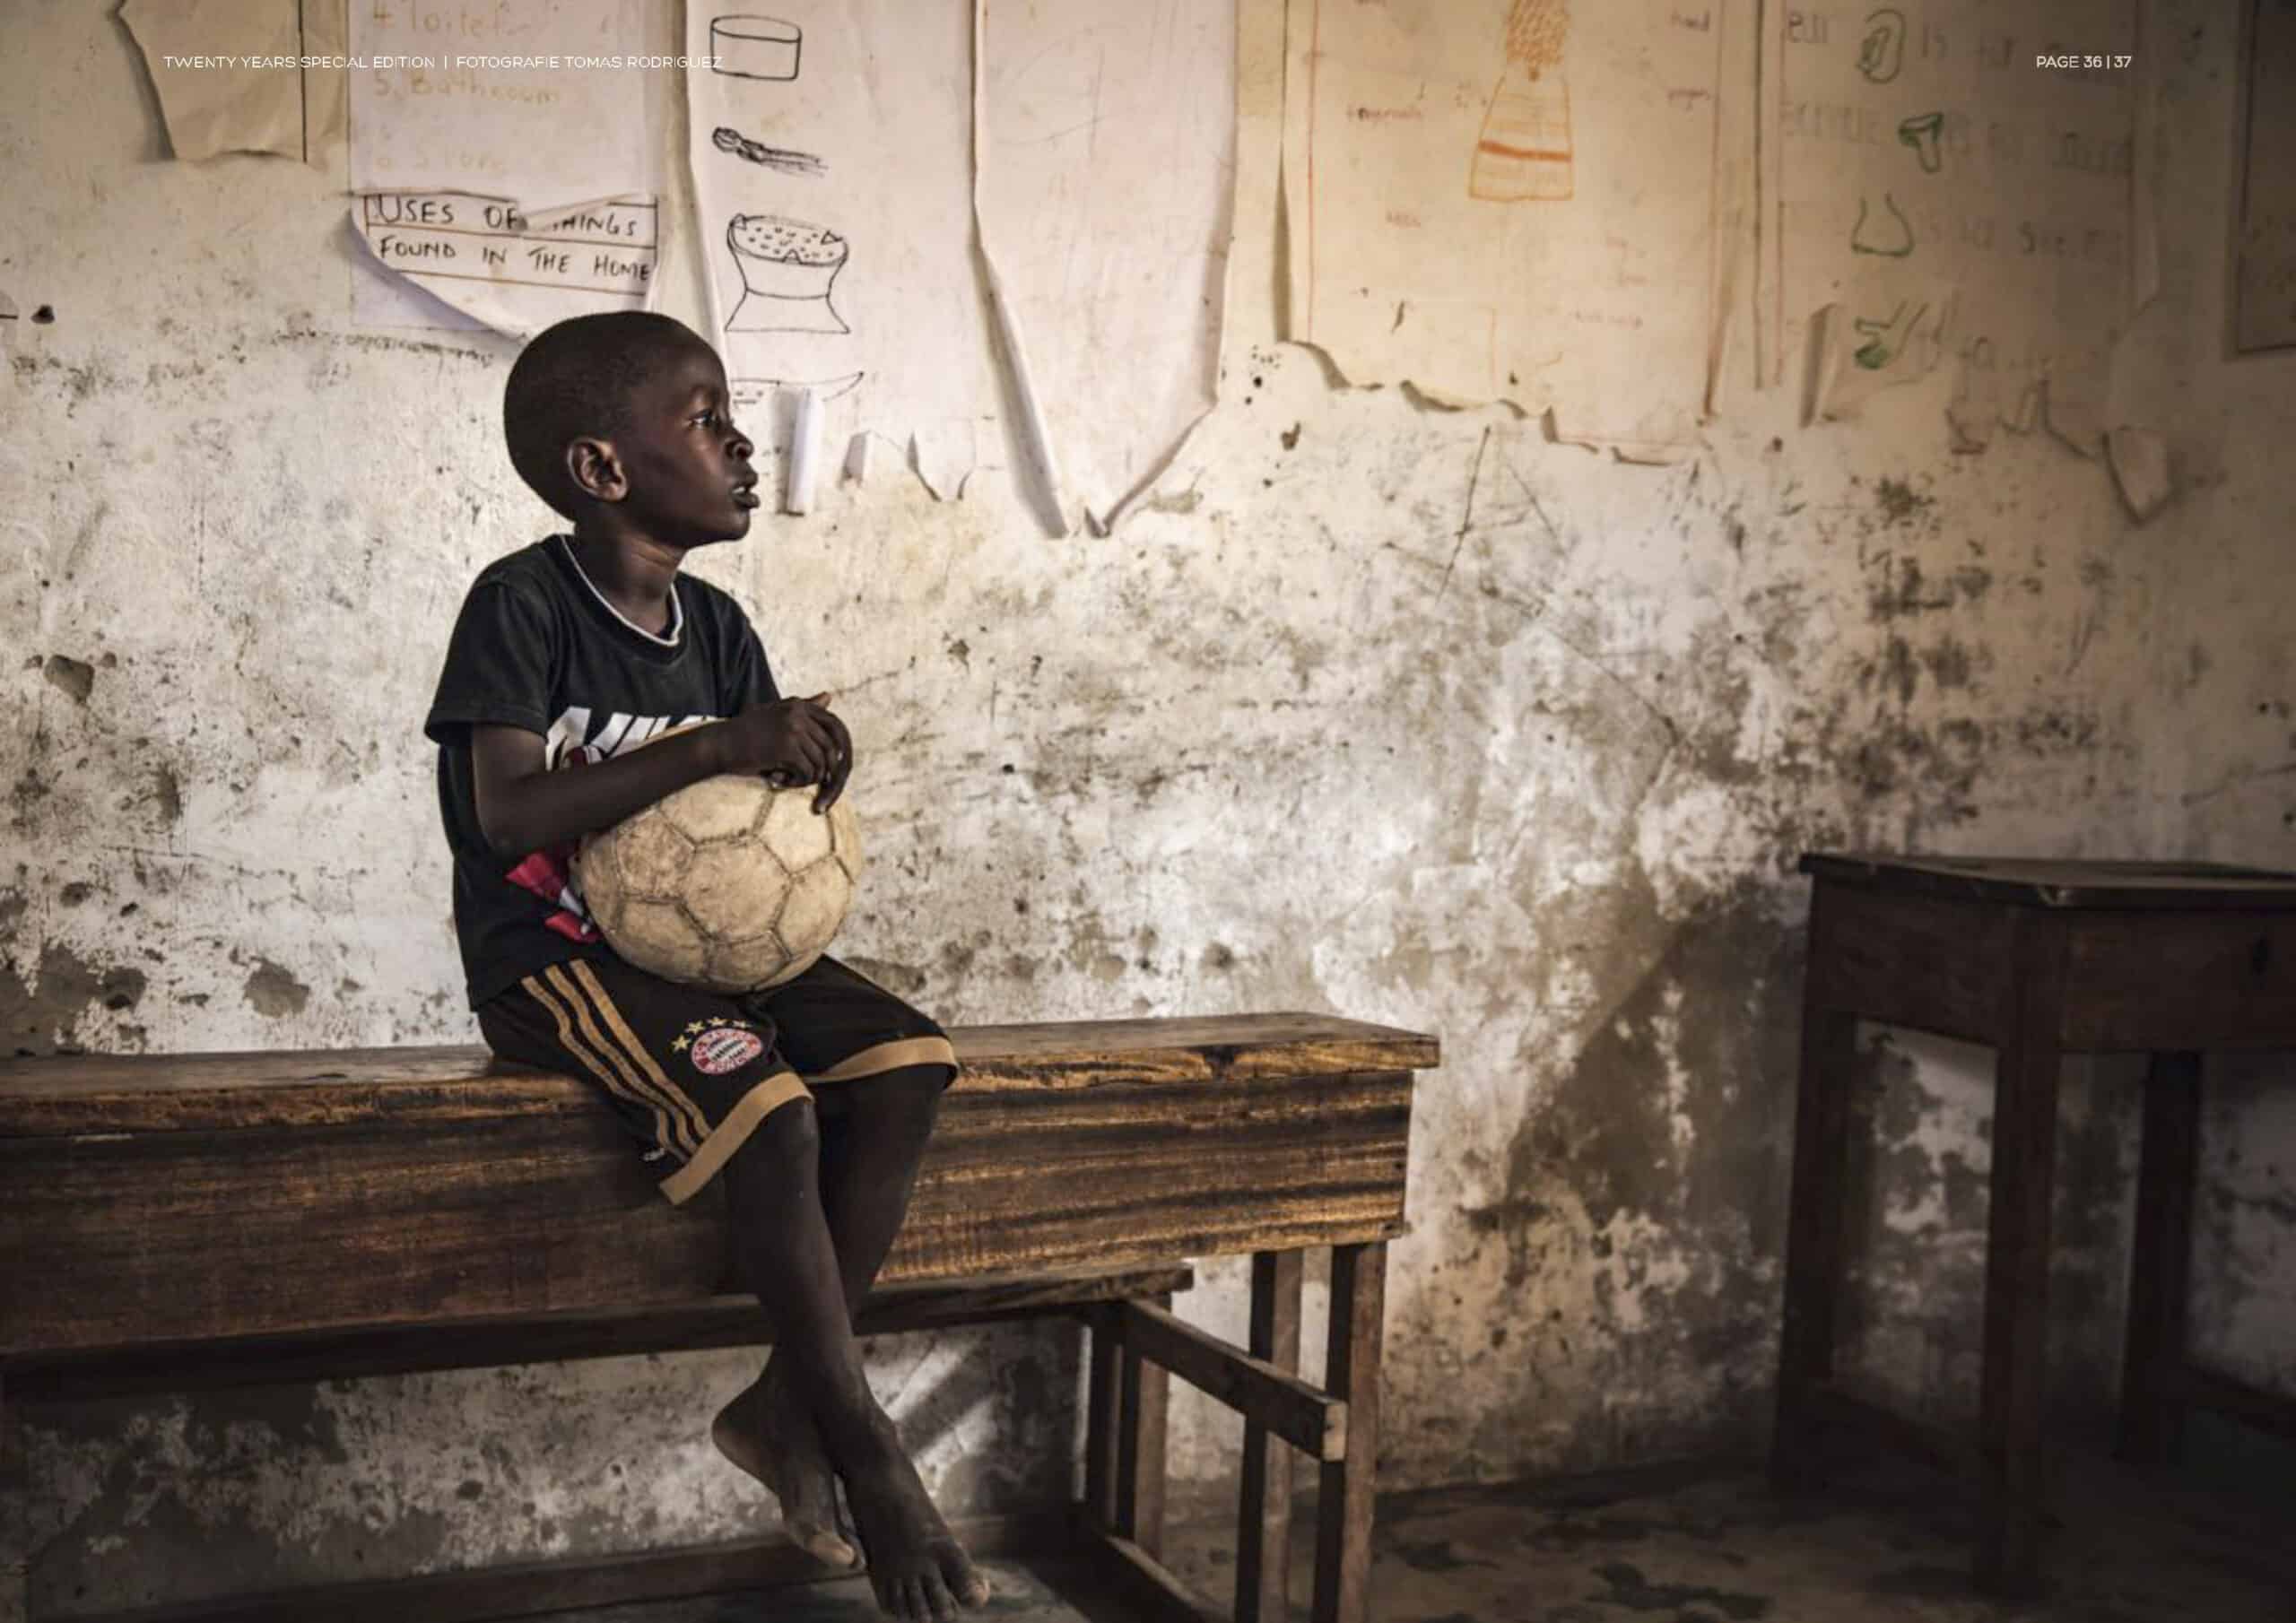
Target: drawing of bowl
788	268
755	48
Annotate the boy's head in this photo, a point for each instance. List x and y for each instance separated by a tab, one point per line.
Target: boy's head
628	406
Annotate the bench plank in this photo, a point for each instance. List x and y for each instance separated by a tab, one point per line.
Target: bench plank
360	1351
79	1094
197	1234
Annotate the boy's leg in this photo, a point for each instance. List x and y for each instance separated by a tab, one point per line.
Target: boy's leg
782	1237
702	1082
872	1132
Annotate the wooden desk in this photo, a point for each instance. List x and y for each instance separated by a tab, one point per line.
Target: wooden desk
2039	958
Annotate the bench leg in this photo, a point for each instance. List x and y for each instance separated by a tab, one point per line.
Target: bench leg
1103	1420
2010	1423
1263	1519
2161	1266
1344	1500
1124	1436
1143	1390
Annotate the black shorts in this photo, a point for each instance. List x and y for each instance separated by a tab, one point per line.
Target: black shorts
692	1072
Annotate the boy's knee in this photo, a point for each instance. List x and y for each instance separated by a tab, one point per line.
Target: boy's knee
786	1133
908	1098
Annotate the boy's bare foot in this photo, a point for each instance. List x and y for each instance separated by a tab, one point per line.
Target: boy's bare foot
767	1435
920	1571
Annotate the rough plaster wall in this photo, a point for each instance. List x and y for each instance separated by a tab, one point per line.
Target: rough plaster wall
1409	716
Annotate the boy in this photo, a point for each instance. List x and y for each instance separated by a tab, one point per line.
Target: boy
813	1100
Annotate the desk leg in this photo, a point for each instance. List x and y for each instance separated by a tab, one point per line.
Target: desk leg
15	1522
1814	1229
1142	1390
2016	1266
1359	1290
1264	1518
2161	1268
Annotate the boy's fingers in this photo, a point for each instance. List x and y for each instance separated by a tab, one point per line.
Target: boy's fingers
833	784
840	739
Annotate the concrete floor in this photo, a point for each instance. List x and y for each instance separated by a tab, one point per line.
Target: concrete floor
1710	1546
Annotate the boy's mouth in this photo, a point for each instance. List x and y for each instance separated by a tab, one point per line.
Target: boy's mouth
745	495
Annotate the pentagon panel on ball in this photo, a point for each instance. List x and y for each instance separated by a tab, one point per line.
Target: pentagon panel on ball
729	884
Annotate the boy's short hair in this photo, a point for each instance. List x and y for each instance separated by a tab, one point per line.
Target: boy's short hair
577	377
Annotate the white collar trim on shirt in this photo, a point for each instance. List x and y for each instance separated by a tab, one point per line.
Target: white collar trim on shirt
677	604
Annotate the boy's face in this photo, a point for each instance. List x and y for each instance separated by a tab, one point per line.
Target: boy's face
686	467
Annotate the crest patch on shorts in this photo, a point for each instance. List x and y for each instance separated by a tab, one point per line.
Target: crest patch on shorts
724	1049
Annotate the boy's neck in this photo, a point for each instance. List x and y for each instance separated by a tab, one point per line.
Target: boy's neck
633	573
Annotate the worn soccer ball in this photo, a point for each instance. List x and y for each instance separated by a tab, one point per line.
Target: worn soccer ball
730	883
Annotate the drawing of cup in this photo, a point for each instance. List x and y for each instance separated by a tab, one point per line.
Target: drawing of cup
788	268
755	48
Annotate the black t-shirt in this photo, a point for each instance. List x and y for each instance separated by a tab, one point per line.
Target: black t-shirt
537	646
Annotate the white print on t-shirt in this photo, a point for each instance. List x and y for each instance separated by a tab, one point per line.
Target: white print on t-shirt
570	740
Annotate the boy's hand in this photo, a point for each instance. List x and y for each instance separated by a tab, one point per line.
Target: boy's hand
792	741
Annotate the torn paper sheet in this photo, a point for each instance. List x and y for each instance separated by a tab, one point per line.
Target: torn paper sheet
942	460
472	116
1919	156
1852	357
1509	200
1106	197
517	275
327	88
1974	412
830	146
2140	463
2264	314
226	72
1025	414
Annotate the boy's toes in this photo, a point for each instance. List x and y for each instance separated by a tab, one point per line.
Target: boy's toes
940	1606
960	1579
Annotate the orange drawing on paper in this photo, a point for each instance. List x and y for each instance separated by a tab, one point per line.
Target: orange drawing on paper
1523	152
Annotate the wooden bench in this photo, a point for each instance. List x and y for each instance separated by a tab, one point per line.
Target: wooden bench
172	1221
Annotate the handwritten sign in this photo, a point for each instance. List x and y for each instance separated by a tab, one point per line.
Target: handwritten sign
476	126
1951	178
1510	200
473	252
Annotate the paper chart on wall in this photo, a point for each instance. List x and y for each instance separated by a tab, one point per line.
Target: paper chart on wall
1941	192
1106	197
218	101
1509	200
501	166
831	148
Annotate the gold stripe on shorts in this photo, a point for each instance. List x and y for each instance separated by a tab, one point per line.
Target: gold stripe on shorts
781	1088
678	1096
591	1062
880	1057
687	1126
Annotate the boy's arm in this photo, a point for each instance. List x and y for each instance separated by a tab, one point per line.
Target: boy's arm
522	806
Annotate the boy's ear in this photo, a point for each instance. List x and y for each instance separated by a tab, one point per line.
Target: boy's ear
594	469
